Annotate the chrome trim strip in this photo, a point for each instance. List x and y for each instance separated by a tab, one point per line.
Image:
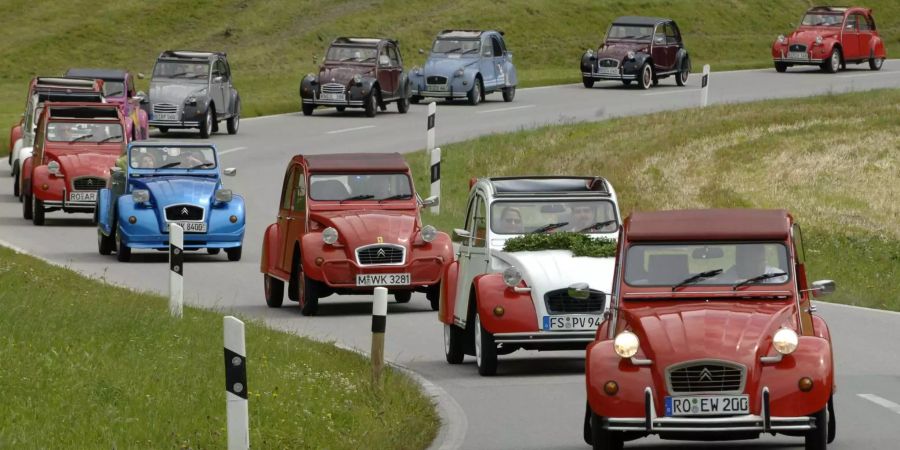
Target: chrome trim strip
710	294
545	336
771	359
641	362
799	61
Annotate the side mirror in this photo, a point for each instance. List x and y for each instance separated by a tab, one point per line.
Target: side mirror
462	233
140	97
218	79
230	171
434	200
115	169
824	287
509	56
421	51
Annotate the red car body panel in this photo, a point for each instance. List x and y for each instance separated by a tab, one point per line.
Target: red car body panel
448	292
518	310
15	133
856	44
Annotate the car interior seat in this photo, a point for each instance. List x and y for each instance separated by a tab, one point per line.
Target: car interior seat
667	269
328	190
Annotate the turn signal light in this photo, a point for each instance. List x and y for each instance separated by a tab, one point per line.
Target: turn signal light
45	186
232	219
611	388
132	220
499	311
320	260
805	384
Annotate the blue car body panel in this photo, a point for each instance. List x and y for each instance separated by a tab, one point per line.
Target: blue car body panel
494	67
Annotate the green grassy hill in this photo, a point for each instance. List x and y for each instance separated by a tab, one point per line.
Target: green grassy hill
271	44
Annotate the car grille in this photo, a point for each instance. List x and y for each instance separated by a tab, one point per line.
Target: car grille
436	80
184	212
88	183
165	108
797	48
559	302
608	63
333	88
380	254
705	376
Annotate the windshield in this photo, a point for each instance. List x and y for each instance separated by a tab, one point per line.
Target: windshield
345	53
725	263
630	32
360	186
462	46
581	216
181	69
172	158
113	88
822	20
75	131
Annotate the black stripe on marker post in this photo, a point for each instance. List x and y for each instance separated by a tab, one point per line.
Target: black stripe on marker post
435	172
176	259
379	324
430	121
705	81
235	373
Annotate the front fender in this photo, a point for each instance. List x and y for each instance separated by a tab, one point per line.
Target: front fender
448	292
15	133
17	150
271	249
235	101
405	85
602	364
518	310
813	359
25	176
877	47
306	87
683	58
588	59
40	177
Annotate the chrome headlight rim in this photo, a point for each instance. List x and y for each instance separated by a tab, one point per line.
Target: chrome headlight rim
53	167
140	195
459	73
629	55
819	40
785	341
330	235
781	39
223	195
626	344
512	276
357	79
429	233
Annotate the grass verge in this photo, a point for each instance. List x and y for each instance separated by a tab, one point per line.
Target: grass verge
87	365
836	172
271	44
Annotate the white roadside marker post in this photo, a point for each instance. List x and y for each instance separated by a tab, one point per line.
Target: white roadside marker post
379	323
176	269
237	417
436	178
704	86
429	130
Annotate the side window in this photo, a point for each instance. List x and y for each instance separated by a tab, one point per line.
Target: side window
487	48
286	190
659	35
394	55
851	23
864	24
480	224
671	35
226	69
383	59
502	44
470	219
498	51
299	192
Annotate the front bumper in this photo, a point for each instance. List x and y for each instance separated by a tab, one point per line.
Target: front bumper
326	102
807	61
546	337
175	123
341	273
191	240
607	76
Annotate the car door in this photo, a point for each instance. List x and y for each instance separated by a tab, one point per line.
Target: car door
217	88
385	77
473	254
284	216
866	30
486	63
850	38
673	43
464	257
227	87
297	214
396	69
659	49
499	61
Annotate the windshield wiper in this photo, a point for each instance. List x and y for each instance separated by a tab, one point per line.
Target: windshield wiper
470	50
358	197
696	278
762	277
109	138
110	94
396	197
201	165
179	74
453	50
597	225
168	165
84	136
548	227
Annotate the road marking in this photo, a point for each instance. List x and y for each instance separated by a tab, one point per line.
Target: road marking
881	402
512	108
854	75
232	150
680	91
347	130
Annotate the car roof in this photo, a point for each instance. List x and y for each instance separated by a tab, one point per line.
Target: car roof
639	20
103	74
708	225
356	162
464	33
548	185
162	143
361	41
190	55
78	110
64	83
836	9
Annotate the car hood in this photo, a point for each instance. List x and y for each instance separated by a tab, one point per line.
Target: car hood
618	50
357	228
444	66
83	164
808	37
740	331
58	150
174	92
548	270
343	74
171	190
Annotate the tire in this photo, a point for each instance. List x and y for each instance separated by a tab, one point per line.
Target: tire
403	296
308	109
587	81
485	350
781	67
37	215
163	130
309	296
27	210
509	94
817	439
682	77
234	122
832	421
454	339
274	291
604	439
626	82
123	251
403	105
206	125
415	99
876	63
646	80
833	63
213	251
105	244
474	95
16	185
433	295
234	253
372	104
340	108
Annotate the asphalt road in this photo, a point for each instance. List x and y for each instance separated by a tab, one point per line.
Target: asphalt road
537	399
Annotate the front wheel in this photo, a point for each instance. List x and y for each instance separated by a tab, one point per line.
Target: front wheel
309	297
123	251
682	77
474	95
163	130
485	350
234	254
833	63
817	438
403	296
213	251
308	109
372	104
587	81
509	94
206	125
105	244
37	216
876	63
274	290
454	337
781	67
604	439
27	210
647	78
234	122
16	185
403	105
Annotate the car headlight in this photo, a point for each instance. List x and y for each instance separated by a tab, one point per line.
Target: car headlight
429	232
819	40
781	39
589	52
310	77
223	195
458	73
357	78
53	167
417	71
629	55
785	341
191	100
626	344
329	235
512	276
140	195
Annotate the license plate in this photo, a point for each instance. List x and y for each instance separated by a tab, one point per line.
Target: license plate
571	322
608	70
190	227
336	97
436	87
707	405
797	55
165	116
88	196
383	279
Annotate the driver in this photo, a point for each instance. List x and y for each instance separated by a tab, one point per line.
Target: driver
146	161
193	158
511	221
749	262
